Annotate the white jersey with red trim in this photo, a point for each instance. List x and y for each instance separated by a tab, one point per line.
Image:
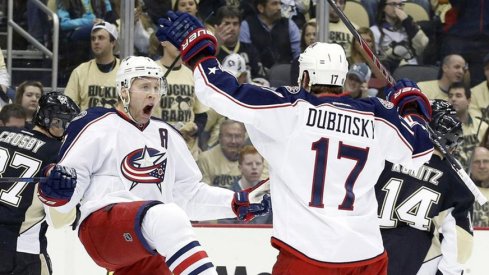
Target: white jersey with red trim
325	155
116	161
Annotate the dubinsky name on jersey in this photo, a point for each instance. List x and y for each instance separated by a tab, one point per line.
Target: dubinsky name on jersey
418	210
23	154
325	155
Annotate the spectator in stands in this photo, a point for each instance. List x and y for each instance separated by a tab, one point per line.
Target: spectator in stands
78	16
371	7
250	164
76	19
480	93
219	165
92	83
180	107
27	96
356	55
397	37
12	115
189	6
377	81
276	37
4	82
480	175
466	32
357	78
227	30
143	26
338	32
473	129
452	70
308	36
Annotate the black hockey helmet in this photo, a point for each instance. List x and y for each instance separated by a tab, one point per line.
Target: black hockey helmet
445	124
55	107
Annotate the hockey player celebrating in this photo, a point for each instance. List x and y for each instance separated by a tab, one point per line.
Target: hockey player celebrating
24	154
325	150
137	182
430	207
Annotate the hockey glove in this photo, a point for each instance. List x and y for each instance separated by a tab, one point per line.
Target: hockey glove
58	187
409	99
188	34
252	202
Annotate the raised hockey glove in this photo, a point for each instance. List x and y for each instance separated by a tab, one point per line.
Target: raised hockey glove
252	202
188	34
58	187
409	99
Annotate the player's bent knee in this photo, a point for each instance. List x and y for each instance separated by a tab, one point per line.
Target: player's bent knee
166	227
169	214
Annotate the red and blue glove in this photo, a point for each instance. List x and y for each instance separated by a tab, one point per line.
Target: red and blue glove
188	34
249	203
58	187
409	99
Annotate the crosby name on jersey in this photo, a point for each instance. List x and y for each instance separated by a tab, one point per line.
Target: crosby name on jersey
22	140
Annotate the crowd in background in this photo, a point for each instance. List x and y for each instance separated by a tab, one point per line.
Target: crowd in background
260	42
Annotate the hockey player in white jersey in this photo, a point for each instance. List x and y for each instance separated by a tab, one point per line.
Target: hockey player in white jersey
136	182
325	150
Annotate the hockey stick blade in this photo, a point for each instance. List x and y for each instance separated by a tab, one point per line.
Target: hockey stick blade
479	197
17	179
372	59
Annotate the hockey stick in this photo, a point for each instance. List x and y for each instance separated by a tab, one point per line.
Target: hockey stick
172	65
374	61
16	179
479	197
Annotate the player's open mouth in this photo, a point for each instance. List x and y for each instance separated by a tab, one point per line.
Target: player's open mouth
147	109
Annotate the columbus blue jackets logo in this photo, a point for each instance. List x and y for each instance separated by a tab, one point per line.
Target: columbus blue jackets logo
144	166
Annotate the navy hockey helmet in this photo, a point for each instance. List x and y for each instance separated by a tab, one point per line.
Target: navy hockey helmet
55	107
445	124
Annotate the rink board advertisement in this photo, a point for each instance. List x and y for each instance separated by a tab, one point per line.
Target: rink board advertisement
234	250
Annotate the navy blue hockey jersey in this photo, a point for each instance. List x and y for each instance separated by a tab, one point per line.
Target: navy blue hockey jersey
424	217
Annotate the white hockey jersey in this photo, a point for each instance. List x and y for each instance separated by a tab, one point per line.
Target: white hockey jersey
325	155
115	162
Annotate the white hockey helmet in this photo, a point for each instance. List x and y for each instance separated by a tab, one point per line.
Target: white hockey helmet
326	64
138	66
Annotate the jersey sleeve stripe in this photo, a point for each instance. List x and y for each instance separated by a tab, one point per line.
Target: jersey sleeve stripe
399	134
246	95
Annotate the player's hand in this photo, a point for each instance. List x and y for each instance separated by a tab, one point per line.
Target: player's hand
58	187
186	33
252	202
409	99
